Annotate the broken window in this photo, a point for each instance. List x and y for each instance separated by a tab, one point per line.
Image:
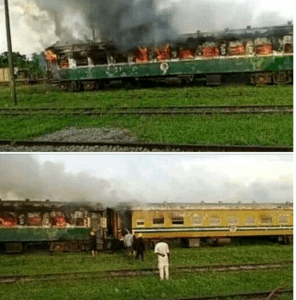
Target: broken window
266	220
140	222
178	221
158	221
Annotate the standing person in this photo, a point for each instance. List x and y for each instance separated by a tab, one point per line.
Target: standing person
140	247
128	242
163	253
93	244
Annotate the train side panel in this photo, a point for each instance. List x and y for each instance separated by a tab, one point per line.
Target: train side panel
179	68
212	223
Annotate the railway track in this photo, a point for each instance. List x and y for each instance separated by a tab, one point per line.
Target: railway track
147	146
266	295
151	110
10	279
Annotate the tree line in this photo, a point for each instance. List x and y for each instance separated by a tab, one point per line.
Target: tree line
36	64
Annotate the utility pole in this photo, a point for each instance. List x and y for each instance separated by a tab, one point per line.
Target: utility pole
12	81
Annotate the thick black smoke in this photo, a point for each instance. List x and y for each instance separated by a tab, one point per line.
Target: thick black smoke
128	23
23	177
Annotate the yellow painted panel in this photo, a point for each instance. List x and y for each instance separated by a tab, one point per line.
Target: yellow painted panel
223	215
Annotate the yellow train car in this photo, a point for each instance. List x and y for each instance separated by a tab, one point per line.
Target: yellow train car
213	221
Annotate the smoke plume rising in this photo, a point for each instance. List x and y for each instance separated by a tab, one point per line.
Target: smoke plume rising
128	23
23	177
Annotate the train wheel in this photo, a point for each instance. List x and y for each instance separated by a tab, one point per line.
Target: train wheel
63	86
89	86
57	247
262	78
74	86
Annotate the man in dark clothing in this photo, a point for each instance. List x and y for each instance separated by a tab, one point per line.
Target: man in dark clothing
93	244
140	247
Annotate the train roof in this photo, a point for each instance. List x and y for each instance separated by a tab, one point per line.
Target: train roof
203	206
48	204
256	31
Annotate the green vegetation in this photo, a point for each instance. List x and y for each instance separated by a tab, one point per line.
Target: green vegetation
234	130
149	287
50	96
70	262
264	130
23	62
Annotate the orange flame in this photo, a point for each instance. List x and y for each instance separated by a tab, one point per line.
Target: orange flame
186	54
264	49
35	221
65	64
210	51
142	55
237	50
8	222
50	56
164	54
60	221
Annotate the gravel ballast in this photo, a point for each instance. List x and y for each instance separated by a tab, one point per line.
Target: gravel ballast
91	135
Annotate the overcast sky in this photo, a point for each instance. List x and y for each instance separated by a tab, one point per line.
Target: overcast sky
113	178
33	30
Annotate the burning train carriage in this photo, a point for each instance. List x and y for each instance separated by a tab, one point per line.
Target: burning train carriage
213	222
60	225
262	55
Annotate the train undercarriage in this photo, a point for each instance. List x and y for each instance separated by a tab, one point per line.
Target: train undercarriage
260	78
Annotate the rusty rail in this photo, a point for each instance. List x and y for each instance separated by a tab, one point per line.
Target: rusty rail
152	146
248	295
152	110
9	279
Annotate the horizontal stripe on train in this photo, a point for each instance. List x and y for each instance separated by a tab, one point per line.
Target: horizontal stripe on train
207	229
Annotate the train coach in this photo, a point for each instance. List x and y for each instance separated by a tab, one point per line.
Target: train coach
214	223
59	226
66	226
252	55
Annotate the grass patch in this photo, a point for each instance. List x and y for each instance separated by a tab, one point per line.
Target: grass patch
50	96
151	287
148	287
70	262
264	130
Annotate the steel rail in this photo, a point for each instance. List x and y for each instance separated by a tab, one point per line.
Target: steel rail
152	146
9	279
247	295
149	107
170	110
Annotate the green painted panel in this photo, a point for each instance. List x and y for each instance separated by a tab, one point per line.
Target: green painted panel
172	68
26	234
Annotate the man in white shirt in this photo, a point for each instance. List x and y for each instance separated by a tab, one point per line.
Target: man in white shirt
128	242
163	253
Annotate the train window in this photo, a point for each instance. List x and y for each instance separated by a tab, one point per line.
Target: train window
283	219
196	220
232	220
250	220
266	220
214	220
158	221
178	221
140	222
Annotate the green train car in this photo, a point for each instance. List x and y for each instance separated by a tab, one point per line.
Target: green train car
59	226
252	56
